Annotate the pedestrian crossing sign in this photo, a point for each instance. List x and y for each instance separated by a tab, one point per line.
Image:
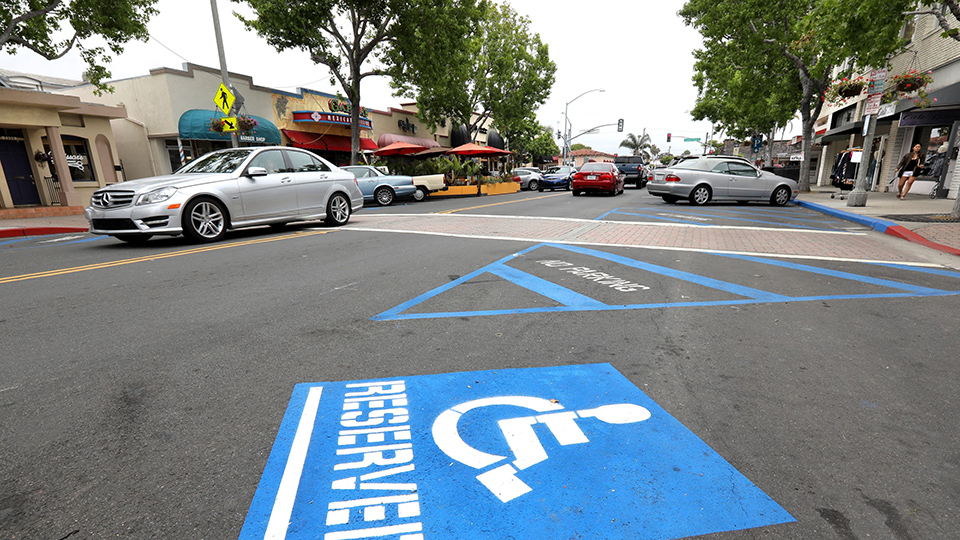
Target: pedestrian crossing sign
230	124
224	99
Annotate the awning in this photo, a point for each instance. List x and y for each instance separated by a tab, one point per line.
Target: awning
332	143
389	138
195	124
840	133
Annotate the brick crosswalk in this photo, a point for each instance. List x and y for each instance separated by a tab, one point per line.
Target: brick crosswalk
763	241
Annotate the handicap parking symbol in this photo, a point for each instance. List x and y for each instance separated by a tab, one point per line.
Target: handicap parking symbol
548	453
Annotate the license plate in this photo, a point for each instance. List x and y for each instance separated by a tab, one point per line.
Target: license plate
591	177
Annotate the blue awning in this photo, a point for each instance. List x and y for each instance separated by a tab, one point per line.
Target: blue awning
195	124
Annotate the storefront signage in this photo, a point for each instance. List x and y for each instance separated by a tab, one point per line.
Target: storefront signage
320	117
929	118
251	138
887	109
75	161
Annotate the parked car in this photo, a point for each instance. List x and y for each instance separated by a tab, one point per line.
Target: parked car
702	179
228	189
634	169
528	177
557	178
603	177
380	187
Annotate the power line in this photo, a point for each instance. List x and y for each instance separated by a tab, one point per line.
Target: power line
168	48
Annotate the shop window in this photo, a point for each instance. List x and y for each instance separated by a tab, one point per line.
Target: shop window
79	160
909	28
173	154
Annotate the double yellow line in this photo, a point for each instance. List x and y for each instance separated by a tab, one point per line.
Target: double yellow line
193	251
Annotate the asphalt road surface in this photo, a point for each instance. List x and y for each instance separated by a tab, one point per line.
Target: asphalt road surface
739	371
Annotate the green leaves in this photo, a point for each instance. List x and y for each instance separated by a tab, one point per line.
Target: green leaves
32	24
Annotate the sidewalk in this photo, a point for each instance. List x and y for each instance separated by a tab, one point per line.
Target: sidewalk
918	219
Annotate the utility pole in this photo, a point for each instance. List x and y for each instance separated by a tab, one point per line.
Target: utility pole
878	78
234	140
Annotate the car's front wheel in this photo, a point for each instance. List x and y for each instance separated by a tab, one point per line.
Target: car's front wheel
780	196
338	210
384	196
533	185
420	195
700	195
204	220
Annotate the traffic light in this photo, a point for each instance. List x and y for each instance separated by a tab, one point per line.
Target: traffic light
668	137
620	124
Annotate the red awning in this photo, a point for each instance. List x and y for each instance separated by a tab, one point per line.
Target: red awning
389	138
333	143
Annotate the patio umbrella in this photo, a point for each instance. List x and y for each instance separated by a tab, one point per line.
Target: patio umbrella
471	149
400	149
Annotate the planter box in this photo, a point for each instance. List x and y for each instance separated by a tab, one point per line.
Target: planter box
502	188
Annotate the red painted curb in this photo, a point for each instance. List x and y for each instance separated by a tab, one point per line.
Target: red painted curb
902	232
39	231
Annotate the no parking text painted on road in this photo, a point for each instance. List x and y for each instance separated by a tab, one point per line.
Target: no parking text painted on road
550	453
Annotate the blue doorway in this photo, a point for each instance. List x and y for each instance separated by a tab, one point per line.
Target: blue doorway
16	167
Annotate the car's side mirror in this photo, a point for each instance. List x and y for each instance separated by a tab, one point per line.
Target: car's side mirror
256	171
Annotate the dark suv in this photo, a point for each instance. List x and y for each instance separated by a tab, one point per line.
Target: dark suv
633	169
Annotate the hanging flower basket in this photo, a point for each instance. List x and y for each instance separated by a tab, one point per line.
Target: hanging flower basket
216	124
911	84
246	123
842	90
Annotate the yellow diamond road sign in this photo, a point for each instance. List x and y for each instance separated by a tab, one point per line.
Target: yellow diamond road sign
230	124
224	99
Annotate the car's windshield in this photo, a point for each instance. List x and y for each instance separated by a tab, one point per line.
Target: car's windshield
218	162
595	167
695	164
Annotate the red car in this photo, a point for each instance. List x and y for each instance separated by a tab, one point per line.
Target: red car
605	177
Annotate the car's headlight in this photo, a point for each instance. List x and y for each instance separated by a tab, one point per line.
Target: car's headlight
156	196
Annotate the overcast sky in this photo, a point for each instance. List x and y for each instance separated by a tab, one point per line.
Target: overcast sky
638	52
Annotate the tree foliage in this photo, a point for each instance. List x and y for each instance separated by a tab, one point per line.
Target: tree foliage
579	146
32	25
353	37
499	69
793	43
641	145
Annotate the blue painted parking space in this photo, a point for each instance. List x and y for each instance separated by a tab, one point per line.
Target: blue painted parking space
552	453
552	278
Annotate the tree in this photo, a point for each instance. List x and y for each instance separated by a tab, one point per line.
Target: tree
579	146
814	36
637	145
32	25
937	10
353	37
499	69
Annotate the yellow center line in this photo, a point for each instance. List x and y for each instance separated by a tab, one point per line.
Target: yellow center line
499	203
122	262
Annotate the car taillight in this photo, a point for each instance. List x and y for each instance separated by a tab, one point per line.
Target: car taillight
671	178
516	179
650	179
606	176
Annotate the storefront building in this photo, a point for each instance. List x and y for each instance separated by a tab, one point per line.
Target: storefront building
169	114
55	150
903	124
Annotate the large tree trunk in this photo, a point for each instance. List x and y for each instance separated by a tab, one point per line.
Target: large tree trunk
355	119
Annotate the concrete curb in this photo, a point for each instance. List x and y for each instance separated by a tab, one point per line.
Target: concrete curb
39	231
881	225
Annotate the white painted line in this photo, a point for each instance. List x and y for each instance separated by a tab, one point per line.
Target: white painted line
663	248
632	223
290	482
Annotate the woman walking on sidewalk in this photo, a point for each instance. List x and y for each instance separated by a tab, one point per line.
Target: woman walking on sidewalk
907	170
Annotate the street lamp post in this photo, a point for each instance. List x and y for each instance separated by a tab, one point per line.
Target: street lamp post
566	127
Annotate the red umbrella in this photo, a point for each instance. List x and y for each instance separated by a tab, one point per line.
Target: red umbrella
471	149
400	148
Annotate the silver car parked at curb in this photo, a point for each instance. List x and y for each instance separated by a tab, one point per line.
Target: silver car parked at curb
227	189
720	178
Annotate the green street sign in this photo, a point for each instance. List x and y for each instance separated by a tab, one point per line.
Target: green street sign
697	139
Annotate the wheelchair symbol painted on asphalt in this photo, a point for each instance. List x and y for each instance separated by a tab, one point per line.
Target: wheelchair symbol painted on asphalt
522	438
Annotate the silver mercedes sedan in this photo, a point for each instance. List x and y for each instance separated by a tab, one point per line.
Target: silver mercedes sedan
702	179
227	189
